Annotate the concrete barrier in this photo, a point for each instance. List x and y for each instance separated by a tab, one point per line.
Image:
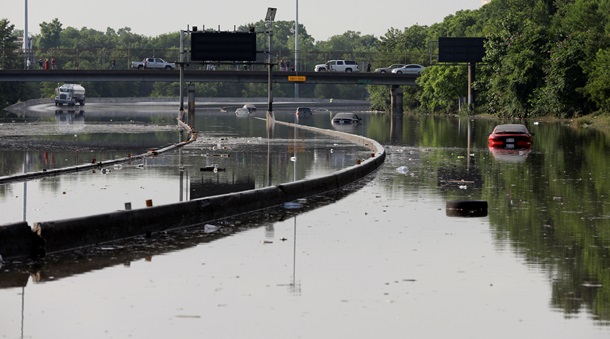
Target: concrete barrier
17	240
67	234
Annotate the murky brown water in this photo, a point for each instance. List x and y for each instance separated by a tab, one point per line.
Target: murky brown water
381	259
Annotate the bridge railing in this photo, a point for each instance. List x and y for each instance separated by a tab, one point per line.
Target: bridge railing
121	58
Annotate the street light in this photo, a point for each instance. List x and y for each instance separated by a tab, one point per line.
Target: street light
296	49
270	14
268	23
26	40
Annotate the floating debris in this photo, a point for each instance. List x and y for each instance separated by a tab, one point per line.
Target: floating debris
292	205
212	168
209	228
402	170
217	155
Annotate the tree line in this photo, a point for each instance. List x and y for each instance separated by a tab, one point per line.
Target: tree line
543	57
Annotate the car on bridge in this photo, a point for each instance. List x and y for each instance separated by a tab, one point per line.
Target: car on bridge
337	66
409	69
388	69
153	63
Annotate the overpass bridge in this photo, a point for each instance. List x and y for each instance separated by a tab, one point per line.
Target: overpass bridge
78	76
242	76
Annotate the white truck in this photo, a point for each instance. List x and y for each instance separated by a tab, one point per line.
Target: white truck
337	66
153	63
70	94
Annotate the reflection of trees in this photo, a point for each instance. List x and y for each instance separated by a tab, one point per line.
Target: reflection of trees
552	209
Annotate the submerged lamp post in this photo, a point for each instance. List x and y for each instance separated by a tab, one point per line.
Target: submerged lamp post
269	18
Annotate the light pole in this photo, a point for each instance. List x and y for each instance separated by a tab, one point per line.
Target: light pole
26	40
268	23
296	49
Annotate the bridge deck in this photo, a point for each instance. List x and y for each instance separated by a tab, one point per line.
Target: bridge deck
356	78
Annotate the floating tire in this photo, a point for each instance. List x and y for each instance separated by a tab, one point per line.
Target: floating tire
466	208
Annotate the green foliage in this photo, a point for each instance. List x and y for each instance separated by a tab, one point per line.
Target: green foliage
515	56
442	86
10	58
463	24
49	34
598	86
407	47
8	46
379	97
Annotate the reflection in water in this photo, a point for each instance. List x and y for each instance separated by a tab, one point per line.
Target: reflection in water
510	155
396	128
70	117
549	203
63	265
461	173
295	285
549	213
214	186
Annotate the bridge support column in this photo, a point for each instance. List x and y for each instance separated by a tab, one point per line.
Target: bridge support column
396	100
396	128
472	76
191	106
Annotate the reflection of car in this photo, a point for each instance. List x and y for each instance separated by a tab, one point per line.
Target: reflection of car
388	69
510	155
303	112
510	136
345	119
408	69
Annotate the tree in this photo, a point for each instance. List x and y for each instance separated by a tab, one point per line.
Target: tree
598	86
9	47
407	46
349	45
516	51
442	86
49	34
10	58
580	31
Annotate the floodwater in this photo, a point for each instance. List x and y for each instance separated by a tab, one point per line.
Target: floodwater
381	258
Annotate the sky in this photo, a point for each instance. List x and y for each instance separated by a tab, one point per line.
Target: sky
321	18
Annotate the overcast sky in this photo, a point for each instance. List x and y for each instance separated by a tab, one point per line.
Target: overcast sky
321	18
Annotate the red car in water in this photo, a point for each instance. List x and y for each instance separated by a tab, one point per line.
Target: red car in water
510	136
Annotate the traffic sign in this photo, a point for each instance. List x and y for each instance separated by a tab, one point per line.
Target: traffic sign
297	78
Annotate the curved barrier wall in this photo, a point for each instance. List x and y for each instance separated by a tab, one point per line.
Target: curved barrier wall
20	240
